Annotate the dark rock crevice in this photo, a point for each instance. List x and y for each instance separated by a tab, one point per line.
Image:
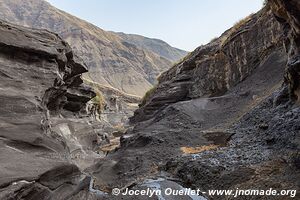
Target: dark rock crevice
287	13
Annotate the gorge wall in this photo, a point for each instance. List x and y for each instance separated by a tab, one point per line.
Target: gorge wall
287	13
42	107
223	117
212	69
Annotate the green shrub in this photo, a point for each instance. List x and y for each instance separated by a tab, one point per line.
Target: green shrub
99	100
148	94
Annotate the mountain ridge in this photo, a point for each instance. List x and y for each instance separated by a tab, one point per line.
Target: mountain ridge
153	44
112	61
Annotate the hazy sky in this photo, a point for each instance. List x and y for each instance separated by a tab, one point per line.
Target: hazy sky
185	24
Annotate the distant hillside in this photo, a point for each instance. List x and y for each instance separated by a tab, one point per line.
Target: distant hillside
129	64
155	45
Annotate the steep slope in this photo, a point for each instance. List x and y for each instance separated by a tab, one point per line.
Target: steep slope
112	61
155	45
42	108
223	117
211	70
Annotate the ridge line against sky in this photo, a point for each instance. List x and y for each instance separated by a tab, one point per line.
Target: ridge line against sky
184	24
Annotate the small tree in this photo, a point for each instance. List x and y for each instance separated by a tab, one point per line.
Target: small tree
99	100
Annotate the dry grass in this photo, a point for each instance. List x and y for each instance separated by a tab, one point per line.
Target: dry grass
148	94
154	168
114	143
183	59
120	128
194	150
213	39
236	27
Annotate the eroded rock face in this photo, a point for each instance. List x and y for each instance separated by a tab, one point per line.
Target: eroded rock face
220	119
287	13
231	128
41	95
212	69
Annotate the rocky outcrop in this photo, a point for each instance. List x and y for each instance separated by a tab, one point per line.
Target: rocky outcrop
211	70
113	61
220	119
41	96
287	13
